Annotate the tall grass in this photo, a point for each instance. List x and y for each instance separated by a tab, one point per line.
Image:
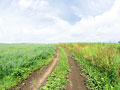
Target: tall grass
19	60
100	61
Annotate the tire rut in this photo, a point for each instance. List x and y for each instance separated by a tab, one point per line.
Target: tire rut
77	82
39	77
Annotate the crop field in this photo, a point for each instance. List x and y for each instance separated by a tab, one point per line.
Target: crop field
65	66
17	61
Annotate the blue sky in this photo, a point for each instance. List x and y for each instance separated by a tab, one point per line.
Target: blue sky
51	21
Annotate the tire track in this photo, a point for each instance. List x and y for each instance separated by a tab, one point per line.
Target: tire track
39	77
77	81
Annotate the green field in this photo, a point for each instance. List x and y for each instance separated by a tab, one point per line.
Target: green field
99	61
17	61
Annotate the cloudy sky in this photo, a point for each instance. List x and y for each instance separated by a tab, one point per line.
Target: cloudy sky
51	21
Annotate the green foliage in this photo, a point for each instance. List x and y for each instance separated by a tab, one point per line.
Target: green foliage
58	78
17	61
100	61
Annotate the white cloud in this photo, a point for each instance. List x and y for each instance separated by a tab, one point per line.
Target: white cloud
25	3
35	4
92	7
43	3
105	27
1	20
38	21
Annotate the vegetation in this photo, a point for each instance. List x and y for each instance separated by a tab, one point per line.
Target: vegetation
100	61
17	61
58	78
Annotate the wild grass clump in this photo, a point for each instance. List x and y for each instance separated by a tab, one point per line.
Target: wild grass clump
100	61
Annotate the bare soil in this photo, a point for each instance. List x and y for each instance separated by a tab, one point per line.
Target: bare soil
77	81
39	77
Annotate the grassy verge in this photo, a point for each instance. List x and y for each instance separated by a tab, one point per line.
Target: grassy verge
100	62
58	78
17	62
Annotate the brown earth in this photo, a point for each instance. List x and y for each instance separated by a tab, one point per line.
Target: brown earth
77	81
39	77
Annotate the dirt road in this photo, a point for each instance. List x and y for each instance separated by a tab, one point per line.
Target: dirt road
39	77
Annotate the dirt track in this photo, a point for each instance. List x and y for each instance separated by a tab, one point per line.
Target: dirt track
77	81
39	77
